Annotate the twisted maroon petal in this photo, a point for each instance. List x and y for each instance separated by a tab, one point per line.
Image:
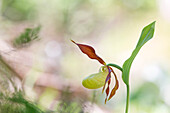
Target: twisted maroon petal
107	90
107	78
89	51
115	87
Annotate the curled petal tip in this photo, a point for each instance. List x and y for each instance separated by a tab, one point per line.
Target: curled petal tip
105	100
102	91
103	88
73	41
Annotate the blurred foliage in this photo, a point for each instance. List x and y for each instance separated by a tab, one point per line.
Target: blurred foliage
18	10
16	103
7	75
68	103
146	95
12	99
147	98
26	37
139	5
71	107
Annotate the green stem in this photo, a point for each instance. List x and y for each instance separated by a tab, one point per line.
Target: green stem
127	99
127	86
116	66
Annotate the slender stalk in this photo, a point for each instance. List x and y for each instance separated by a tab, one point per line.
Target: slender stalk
127	99
116	66
127	86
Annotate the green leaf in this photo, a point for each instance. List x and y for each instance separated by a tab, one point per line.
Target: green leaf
146	35
27	37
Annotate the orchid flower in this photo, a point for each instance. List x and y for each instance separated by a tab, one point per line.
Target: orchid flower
102	78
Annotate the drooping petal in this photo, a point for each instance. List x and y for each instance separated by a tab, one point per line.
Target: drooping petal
97	80
115	87
109	74
107	78
90	52
107	90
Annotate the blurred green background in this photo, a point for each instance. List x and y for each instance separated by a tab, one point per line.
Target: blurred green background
49	68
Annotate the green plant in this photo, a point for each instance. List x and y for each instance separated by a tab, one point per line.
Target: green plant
27	37
100	79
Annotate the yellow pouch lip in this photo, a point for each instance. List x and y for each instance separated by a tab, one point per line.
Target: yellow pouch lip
97	80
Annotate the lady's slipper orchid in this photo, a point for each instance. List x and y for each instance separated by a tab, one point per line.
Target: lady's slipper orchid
100	79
